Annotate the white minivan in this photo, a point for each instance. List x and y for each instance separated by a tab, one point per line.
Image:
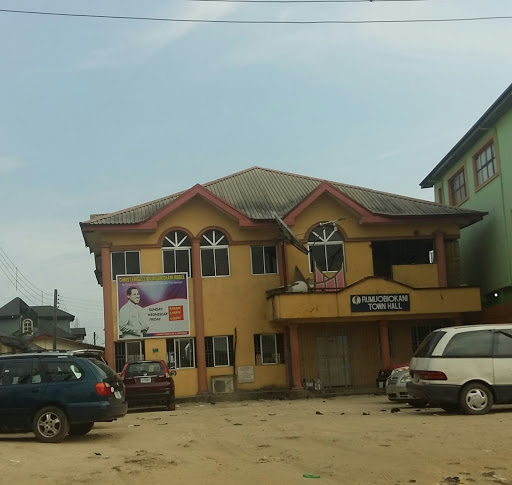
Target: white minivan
464	368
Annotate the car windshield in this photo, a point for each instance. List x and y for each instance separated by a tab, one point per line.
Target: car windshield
429	344
145	369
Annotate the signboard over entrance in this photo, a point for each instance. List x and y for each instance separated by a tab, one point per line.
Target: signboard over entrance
394	302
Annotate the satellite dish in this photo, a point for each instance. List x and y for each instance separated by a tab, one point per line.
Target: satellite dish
290	236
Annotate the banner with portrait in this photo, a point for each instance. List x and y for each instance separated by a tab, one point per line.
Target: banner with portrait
154	305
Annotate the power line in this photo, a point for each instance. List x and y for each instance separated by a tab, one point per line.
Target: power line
276	22
306	1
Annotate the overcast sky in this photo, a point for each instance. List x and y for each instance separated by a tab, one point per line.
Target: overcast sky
98	115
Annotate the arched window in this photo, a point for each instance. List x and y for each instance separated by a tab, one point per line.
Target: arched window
214	254
176	252
325	245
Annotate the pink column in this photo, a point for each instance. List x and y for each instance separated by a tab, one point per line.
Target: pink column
202	381
295	356
384	344
106	281
440	253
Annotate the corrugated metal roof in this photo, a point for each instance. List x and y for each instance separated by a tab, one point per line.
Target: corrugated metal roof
258	192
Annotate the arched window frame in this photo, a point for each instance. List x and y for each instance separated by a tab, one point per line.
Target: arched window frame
214	254
322	239
176	252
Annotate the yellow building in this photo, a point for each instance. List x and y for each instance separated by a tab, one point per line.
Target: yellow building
288	279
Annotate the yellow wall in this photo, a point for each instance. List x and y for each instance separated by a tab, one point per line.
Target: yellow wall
239	301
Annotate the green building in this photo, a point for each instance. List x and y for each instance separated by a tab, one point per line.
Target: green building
477	174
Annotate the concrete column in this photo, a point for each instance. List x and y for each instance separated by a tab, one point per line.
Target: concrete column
281	257
295	356
197	284
440	254
108	317
384	343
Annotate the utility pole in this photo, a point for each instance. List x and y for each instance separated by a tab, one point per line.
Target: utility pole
94	336
54	319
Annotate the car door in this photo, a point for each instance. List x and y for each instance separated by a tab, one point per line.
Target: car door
21	391
502	361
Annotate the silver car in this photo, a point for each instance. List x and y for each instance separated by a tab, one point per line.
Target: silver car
396	387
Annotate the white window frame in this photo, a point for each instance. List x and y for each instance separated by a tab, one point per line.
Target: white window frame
176	246
177	353
265	272
215	244
124	252
275	348
324	241
27	326
227	347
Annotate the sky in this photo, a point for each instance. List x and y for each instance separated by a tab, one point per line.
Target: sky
97	115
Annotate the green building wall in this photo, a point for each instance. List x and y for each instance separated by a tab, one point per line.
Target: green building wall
486	247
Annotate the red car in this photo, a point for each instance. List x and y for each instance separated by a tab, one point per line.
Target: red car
149	382
385	372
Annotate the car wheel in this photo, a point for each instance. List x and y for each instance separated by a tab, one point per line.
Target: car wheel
171	406
475	399
50	425
418	403
80	429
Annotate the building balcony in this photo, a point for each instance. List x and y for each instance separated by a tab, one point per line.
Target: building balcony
372	299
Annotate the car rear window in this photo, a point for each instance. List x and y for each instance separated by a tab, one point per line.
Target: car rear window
104	370
429	344
145	369
470	344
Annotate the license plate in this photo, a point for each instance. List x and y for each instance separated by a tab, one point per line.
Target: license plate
145	380
117	394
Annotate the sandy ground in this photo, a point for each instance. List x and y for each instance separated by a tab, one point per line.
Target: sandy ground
274	442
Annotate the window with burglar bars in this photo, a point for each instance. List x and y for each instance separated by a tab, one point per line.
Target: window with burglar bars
486	166
269	348
325	246
125	262
181	353
219	351
214	254
264	259
458	189
176	249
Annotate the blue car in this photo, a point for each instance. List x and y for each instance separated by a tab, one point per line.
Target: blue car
55	394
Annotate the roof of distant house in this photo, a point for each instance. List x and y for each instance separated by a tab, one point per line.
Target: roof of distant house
488	119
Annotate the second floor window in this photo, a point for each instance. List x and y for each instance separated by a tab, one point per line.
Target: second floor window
264	259
458	191
176	253
125	262
214	254
325	246
485	165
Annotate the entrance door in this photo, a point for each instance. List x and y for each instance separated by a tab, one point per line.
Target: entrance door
333	361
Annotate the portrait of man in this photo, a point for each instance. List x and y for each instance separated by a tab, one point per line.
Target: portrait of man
132	317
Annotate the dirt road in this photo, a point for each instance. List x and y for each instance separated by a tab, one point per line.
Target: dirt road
344	440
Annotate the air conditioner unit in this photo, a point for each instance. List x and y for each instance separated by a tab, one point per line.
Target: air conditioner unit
222	384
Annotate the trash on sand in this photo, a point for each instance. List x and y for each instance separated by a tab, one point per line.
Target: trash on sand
366	413
99	454
395	410
318	412
452	480
310	475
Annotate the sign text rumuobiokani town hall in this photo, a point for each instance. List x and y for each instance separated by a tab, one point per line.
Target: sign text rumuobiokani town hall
380	303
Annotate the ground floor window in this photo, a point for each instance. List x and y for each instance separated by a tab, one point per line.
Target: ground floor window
219	351
127	352
181	353
269	348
